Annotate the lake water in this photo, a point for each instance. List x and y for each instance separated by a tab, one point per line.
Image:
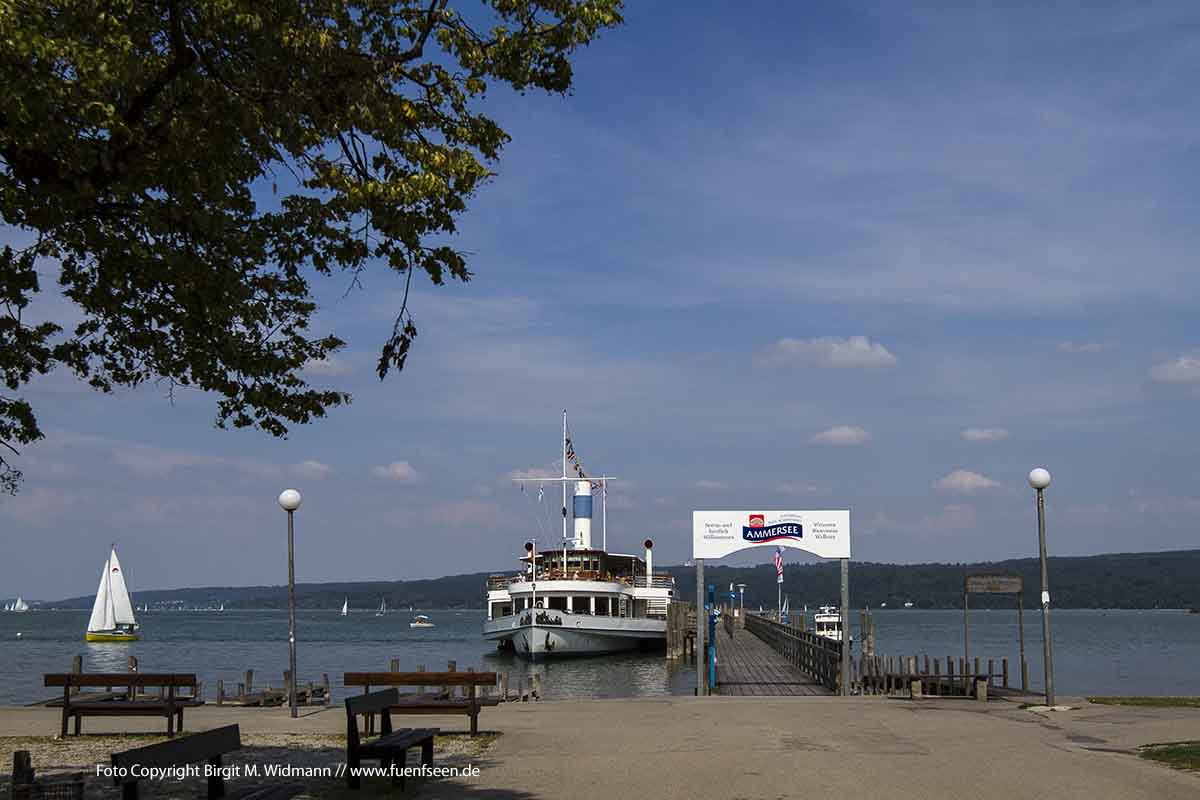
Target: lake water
1095	652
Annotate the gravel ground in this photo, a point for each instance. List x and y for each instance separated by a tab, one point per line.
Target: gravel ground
55	758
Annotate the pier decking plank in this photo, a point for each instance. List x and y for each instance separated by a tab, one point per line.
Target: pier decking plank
748	666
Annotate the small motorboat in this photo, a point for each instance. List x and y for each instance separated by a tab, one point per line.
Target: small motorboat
421	621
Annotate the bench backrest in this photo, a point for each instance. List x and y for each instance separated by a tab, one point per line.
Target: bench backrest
419	679
187	750
371	703
119	679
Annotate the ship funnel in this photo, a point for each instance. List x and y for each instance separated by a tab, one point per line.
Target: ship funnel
649	562
583	515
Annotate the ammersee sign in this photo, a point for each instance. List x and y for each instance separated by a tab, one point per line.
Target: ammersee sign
716	534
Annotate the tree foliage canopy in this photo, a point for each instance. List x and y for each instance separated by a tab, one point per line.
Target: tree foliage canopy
136	134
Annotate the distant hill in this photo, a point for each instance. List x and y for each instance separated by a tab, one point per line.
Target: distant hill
1120	580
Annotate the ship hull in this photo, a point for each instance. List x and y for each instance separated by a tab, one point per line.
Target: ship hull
106	636
574	635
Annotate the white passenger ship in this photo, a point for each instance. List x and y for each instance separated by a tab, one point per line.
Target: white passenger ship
578	599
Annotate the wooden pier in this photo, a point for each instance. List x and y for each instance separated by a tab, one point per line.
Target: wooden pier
746	665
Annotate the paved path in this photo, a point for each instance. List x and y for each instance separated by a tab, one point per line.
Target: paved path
746	665
773	747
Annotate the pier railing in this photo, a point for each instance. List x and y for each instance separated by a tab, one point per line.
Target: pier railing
817	656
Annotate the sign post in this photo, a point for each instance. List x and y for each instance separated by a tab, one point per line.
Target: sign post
701	652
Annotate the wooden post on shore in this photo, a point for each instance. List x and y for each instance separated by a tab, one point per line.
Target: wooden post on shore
1024	675
220	692
503	687
937	676
451	666
325	686
1004	666
395	666
249	681
536	686
420	689
991	671
77	669
950	674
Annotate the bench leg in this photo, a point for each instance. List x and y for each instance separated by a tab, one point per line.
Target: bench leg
474	712
170	723
216	782
78	722
352	765
427	752
399	777
66	715
129	791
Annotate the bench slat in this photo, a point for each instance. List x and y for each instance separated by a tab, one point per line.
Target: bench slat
370	703
187	750
142	679
419	679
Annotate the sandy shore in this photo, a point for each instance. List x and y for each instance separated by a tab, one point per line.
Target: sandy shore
711	747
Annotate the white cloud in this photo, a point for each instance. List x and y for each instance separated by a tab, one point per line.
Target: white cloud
843	435
965	482
795	487
396	471
314	470
1185	369
984	434
854	352
711	486
1083	347
534	472
331	367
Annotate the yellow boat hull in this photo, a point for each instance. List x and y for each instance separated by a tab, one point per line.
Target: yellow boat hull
101	636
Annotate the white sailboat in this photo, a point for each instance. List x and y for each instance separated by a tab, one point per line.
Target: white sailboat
112	615
382	608
20	605
346	606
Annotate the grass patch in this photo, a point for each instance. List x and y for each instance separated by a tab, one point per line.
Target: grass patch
1178	755
1152	702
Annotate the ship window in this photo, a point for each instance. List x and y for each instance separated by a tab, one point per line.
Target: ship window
602	606
581	605
557	603
520	604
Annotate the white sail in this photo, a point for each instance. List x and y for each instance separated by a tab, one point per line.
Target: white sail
20	605
102	613
345	606
119	592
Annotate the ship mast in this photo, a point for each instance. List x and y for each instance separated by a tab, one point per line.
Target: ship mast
564	493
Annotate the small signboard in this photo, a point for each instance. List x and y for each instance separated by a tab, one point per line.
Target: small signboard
994	584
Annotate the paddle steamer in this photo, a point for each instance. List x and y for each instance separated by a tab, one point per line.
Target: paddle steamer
578	599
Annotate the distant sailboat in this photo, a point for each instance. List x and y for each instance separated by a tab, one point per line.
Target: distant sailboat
112	615
382	608
346	606
222	608
20	605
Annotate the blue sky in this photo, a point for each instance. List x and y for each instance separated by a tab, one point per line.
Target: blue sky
879	256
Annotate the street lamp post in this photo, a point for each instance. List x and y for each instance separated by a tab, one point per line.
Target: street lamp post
289	501
1039	479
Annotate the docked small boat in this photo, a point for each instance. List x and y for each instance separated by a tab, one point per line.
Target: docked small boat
827	622
576	599
112	615
421	621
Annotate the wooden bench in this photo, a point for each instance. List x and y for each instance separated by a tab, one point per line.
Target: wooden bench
430	704
171	705
390	748
207	747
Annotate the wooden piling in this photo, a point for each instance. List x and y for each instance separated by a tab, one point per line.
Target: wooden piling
1004	666
504	687
451	666
77	669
